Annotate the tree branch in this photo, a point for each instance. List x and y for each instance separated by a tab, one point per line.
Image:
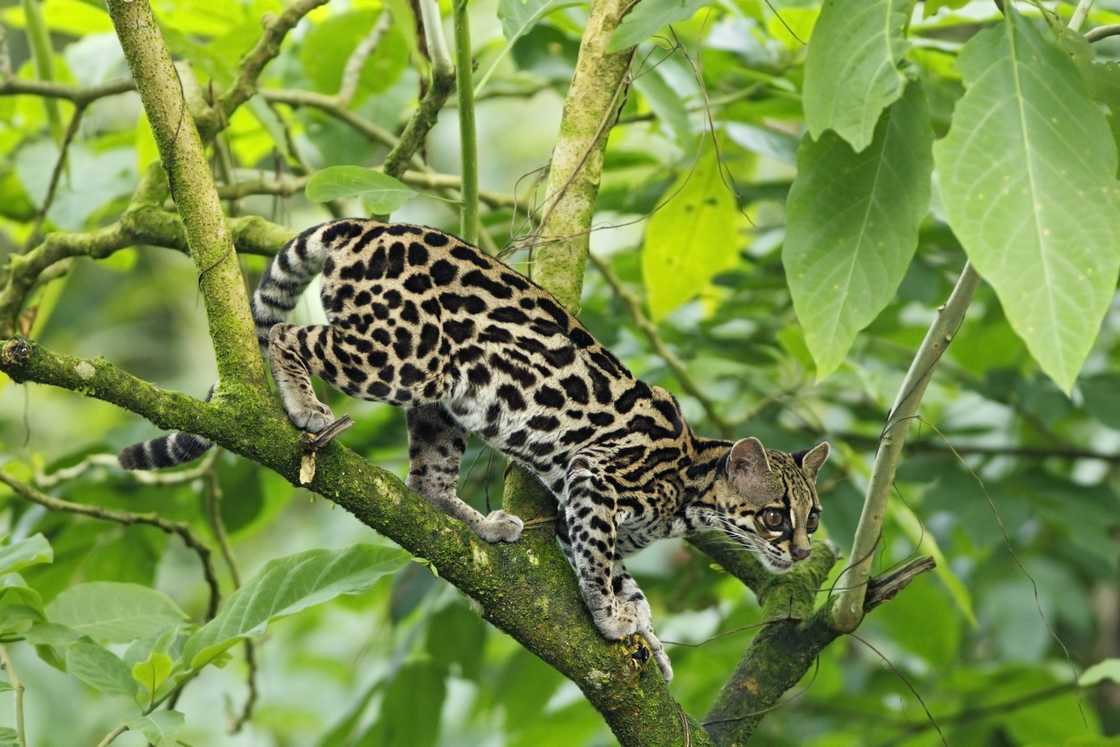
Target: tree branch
331	106
127	519
77	96
266	48
526	589
848	610
223	288
439	88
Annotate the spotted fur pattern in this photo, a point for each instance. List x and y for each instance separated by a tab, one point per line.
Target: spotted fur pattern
421	320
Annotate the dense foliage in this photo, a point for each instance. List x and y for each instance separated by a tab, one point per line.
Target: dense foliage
789	194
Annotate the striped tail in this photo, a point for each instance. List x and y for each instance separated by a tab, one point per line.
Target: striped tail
285	279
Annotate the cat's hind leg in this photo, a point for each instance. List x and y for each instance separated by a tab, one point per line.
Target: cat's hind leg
295	353
435	449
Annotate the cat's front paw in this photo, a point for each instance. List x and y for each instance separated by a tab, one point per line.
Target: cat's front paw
617	620
312	418
498	526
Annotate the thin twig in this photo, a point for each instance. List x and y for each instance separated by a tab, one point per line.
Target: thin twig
1102	32
848	610
217	526
331	106
352	73
78	96
266	48
111	736
17	687
56	175
649	329
183	531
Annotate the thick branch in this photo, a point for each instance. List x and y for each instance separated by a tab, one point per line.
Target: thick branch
180	148
596	93
526	589
848	610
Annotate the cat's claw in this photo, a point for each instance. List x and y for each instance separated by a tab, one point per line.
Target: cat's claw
658	651
499	526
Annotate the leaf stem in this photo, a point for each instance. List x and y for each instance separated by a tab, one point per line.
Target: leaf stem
467	132
1080	13
17	687
111	736
848	610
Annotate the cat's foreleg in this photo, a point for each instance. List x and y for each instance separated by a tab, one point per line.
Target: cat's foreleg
628	589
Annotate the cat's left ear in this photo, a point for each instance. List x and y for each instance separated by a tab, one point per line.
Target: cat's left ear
812	460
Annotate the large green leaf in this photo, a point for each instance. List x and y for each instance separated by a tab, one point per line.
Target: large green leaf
380	193
691	238
286	586
328	45
647	17
852	226
115	612
33	550
1027	176
851	70
99	668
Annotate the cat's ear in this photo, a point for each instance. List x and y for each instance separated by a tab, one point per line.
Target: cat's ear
812	460
748	469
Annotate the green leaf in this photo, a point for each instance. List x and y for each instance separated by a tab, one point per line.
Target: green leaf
852	226
153	671
381	193
8	737
691	238
410	710
1109	669
667	105
929	7
115	612
160	728
1027	177
851	70
21	607
31	551
647	18
286	586
518	17
99	668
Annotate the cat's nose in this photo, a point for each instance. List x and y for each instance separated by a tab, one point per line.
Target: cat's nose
799	553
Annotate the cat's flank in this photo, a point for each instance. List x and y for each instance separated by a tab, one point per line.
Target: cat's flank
468	345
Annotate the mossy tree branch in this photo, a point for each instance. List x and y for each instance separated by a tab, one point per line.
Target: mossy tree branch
525	589
192	187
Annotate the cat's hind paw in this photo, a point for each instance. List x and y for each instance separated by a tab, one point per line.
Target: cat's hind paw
617	621
499	526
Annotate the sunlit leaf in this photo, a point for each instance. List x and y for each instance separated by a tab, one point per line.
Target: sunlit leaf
691	238
1108	669
1027	177
153	671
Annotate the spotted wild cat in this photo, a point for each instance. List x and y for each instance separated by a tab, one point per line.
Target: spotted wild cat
467	345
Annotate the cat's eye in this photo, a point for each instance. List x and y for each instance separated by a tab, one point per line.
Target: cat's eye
773	519
813	522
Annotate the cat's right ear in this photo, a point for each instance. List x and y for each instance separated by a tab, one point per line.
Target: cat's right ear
748	469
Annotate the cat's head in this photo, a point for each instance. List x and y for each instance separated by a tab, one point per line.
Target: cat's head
767	501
